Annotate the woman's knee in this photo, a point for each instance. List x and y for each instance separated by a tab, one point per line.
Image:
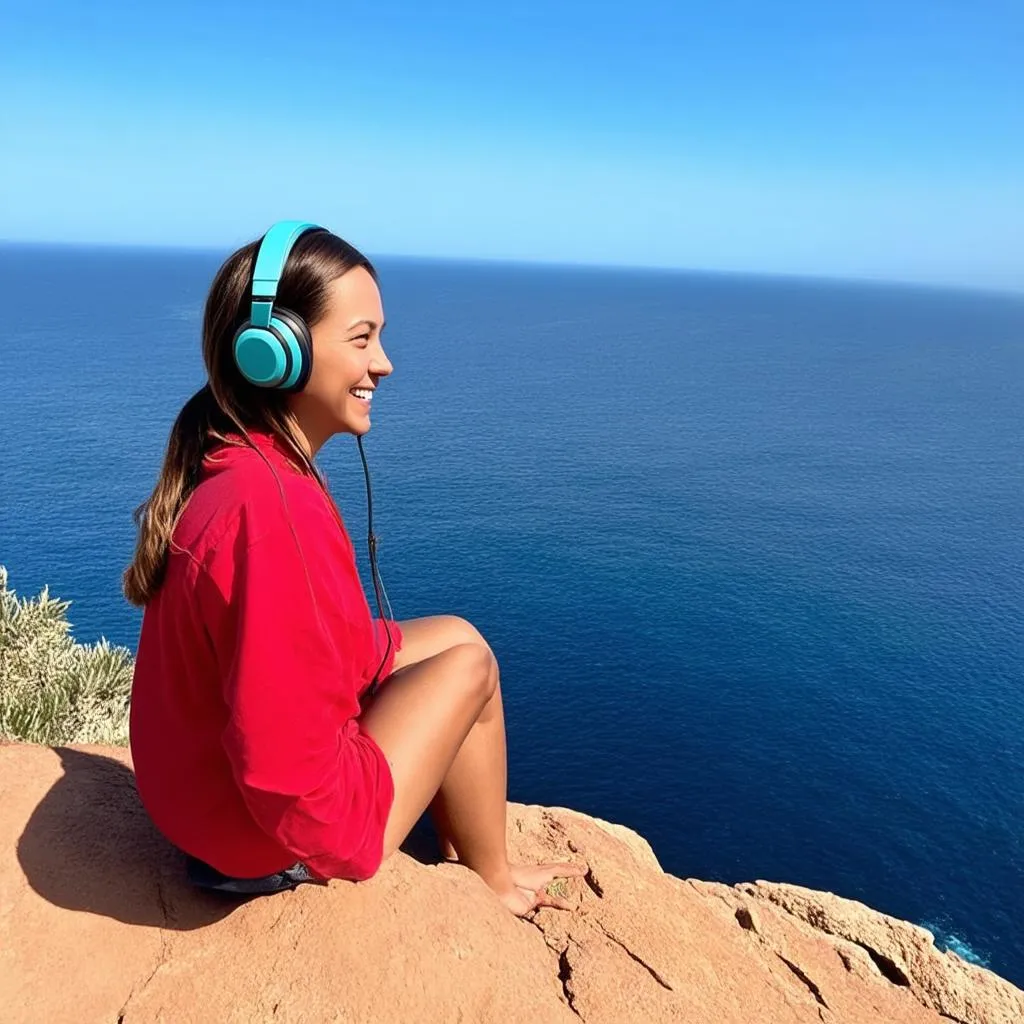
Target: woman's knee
482	677
457	677
424	637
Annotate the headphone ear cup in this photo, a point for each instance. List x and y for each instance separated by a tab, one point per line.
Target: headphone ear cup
292	326
261	356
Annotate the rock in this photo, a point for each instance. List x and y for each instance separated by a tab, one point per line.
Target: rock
98	925
903	953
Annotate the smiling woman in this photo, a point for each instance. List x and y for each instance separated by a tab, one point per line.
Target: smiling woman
260	746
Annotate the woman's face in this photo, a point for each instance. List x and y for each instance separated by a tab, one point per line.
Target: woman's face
347	354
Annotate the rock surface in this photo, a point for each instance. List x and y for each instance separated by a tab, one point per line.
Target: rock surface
98	925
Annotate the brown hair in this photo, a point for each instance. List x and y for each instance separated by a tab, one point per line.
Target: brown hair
228	403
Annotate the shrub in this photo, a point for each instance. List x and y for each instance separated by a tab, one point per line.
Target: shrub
52	689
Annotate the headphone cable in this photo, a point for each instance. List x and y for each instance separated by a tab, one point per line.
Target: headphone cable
378	584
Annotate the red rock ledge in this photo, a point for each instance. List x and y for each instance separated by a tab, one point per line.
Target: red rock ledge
97	925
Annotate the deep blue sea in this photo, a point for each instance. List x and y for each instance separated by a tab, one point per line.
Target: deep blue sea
750	551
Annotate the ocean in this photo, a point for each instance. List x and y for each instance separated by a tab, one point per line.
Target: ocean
749	550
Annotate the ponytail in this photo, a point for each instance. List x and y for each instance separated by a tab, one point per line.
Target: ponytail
196	427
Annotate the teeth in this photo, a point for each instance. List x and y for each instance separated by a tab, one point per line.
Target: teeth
362	393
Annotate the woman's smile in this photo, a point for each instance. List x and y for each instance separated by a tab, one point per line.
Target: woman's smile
363	397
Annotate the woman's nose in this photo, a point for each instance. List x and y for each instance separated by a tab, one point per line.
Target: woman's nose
381	366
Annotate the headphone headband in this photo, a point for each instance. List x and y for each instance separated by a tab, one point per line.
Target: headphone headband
270	261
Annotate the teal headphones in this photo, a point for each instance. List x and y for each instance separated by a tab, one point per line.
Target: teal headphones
273	348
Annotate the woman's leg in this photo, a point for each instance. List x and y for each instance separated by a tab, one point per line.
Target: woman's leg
424	637
469	808
420	719
440	723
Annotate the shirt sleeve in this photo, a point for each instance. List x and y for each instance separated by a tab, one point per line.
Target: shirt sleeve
309	774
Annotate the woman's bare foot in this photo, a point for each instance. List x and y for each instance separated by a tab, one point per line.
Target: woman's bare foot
530	881
529	876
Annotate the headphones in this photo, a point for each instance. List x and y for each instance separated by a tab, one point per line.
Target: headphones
273	348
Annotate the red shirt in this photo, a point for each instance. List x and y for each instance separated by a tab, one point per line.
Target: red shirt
252	658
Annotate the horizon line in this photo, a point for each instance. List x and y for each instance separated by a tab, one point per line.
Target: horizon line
794	276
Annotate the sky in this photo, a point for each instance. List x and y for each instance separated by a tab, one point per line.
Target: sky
880	140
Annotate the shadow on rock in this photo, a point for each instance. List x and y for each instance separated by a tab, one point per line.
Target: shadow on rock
422	843
90	846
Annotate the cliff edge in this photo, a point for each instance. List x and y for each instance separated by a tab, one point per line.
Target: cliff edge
98	925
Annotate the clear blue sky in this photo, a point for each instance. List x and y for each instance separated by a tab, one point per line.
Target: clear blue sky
867	139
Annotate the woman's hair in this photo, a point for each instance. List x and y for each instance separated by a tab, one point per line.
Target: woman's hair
228	403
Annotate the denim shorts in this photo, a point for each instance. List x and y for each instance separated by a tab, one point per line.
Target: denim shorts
205	877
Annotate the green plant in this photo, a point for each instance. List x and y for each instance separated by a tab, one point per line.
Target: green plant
52	689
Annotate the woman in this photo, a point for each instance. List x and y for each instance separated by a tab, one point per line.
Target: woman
261	746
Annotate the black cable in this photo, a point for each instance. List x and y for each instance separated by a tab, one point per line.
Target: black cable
374	573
